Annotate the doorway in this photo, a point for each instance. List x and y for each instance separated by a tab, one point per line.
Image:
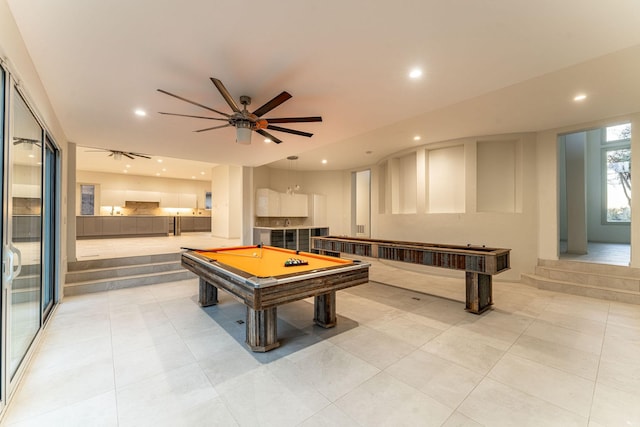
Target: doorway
595	195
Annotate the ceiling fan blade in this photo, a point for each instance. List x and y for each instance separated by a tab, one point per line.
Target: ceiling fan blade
193	102
144	156
128	156
295	132
295	119
268	135
189	115
270	105
225	94
215	127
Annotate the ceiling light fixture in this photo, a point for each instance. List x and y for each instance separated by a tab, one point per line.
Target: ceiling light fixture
324	161
417	138
267	140
580	97
295	187
159	160
415	73
243	132
141	113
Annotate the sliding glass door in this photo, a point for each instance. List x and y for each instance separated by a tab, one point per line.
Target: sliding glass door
24	237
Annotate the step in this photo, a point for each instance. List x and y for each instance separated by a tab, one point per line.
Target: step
121	262
590	267
120	271
593	291
603	280
78	288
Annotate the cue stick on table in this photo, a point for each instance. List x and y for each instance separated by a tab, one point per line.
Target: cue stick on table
254	255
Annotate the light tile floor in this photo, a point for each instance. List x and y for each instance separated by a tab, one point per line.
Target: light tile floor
150	356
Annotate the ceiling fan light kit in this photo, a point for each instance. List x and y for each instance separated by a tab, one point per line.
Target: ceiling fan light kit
244	121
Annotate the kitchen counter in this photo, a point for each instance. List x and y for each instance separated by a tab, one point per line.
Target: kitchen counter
95	227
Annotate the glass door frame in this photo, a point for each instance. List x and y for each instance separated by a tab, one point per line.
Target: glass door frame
12	89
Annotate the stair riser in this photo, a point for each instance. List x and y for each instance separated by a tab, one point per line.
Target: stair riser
122	262
109	285
627	284
576	289
85	276
586	267
606	294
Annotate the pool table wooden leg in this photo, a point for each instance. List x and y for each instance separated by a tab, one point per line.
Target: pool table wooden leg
262	331
208	294
325	310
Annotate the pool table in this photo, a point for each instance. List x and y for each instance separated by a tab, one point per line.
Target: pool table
264	277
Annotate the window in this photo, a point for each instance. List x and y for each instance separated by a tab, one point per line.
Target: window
617	174
87	199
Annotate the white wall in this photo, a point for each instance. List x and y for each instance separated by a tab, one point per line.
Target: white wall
18	60
456	161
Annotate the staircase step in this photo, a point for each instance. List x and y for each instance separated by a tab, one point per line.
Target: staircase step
603	280
78	288
593	291
120	271
121	262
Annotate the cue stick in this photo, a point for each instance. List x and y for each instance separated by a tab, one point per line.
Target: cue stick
239	255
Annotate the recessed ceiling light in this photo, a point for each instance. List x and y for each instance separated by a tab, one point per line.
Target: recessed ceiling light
267	140
201	173
415	73
127	166
324	161
580	97
159	160
164	169
193	177
140	112
417	138
157	173
125	171
31	156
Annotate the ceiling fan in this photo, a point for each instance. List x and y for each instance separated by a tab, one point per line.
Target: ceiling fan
117	155
244	121
29	141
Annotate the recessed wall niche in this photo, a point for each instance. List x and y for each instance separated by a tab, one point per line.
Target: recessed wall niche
404	187
496	176
446	176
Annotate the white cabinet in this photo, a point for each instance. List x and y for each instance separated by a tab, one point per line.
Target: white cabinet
267	202
187	201
294	205
112	198
27	191
169	200
142	196
178	200
270	203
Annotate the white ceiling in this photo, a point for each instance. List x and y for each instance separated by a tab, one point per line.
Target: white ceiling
489	67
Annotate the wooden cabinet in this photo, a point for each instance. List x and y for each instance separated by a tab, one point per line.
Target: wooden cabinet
90	227
289	238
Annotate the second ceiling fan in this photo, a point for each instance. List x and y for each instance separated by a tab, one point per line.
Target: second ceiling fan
244	121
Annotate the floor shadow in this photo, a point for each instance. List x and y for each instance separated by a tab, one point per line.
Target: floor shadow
296	329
